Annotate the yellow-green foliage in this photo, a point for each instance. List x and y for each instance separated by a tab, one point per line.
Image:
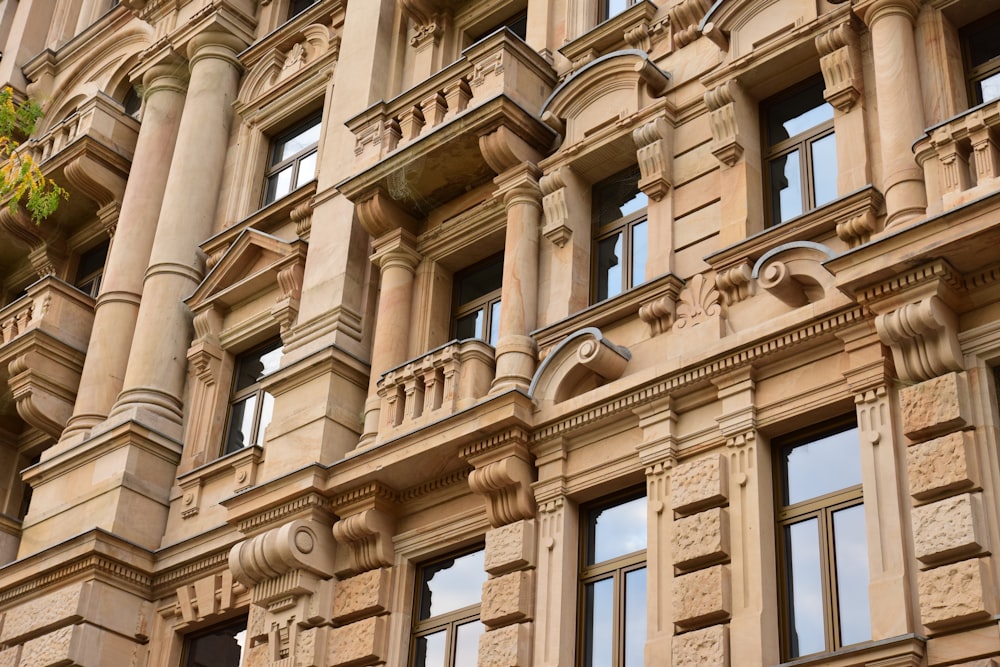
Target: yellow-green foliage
21	179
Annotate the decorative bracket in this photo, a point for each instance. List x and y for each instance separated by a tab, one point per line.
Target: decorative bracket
503	473
367	524
653	153
727	144
841	64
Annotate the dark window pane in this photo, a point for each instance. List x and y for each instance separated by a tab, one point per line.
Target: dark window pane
296	7
824	166
851	552
519	25
822	466
451	584
429	650
805	589
255	366
218	648
616	531
618	196
983	41
640	252
467	643
598	623
786	187
609	267
469	326
801	112
635	617
480	281
305	138
241	424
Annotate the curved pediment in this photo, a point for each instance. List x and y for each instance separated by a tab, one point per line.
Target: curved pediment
794	272
753	23
583	361
285	61
613	87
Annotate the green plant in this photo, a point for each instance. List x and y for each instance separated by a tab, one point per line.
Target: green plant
21	179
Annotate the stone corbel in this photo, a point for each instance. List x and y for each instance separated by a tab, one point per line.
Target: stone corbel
503	473
653	153
366	526
44	388
735	283
95	181
301	216
46	245
502	150
727	144
379	214
560	205
684	19
841	64
286	310
661	312
794	272
857	229
429	19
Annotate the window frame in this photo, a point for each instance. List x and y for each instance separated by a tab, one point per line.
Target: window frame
604	9
802	142
255	390
275	166
242	621
484	303
975	74
615	569
606	229
822	508
90	282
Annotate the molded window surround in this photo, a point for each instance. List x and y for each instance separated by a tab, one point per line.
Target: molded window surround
293	159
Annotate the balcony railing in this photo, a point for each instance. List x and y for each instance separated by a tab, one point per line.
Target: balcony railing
961	157
51	306
99	119
428	388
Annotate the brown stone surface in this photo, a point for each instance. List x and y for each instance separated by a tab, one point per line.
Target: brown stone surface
952	594
50	649
701	538
364	594
948	529
935	406
708	647
51	610
10	657
941	466
510	547
702	598
699	484
509	646
358	643
507	598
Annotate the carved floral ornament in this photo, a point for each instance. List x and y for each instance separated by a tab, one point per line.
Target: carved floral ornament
312	43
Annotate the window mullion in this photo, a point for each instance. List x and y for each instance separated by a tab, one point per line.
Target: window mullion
826	571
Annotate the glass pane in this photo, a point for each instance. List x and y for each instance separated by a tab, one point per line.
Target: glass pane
989	88
479	281
469	326
824	166
92	261
640	252
494	323
467	644
598	623
240	424
851	552
797	114
982	39
307	137
609	267
218	648
266	412
452	584
635	617
278	185
822	466
805	589
430	650
786	187
618	196
616	531
254	366
307	170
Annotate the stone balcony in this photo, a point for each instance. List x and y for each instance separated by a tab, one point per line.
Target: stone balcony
43	340
422	147
961	157
440	383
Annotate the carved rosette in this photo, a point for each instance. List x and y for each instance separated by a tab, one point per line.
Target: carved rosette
503	473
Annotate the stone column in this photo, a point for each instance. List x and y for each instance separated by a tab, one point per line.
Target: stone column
154	380
515	360
118	303
397	258
901	122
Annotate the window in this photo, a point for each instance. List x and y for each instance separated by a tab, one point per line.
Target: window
296	7
219	647
293	160
613	584
982	58
822	547
800	152
609	8
477	301
518	24
447	628
251	407
621	234
90	270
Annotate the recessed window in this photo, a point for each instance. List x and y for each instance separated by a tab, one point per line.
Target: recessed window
218	647
250	407
981	46
293	160
613	583
621	235
609	8
517	24
477	301
132	102
296	7
90	269
447	629
821	543
800	152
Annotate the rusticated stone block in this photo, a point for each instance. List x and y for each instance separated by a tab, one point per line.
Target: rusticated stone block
941	466
49	611
699	484
507	599
701	539
510	547
10	657
953	594
365	594
934	407
702	598
702	648
509	646
359	643
948	529
50	649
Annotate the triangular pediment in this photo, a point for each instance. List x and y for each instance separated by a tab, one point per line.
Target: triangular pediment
251	265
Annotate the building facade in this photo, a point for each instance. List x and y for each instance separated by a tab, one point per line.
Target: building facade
558	333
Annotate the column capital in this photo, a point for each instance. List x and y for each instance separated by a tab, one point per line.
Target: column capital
397	249
170	73
215	44
879	9
520	185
